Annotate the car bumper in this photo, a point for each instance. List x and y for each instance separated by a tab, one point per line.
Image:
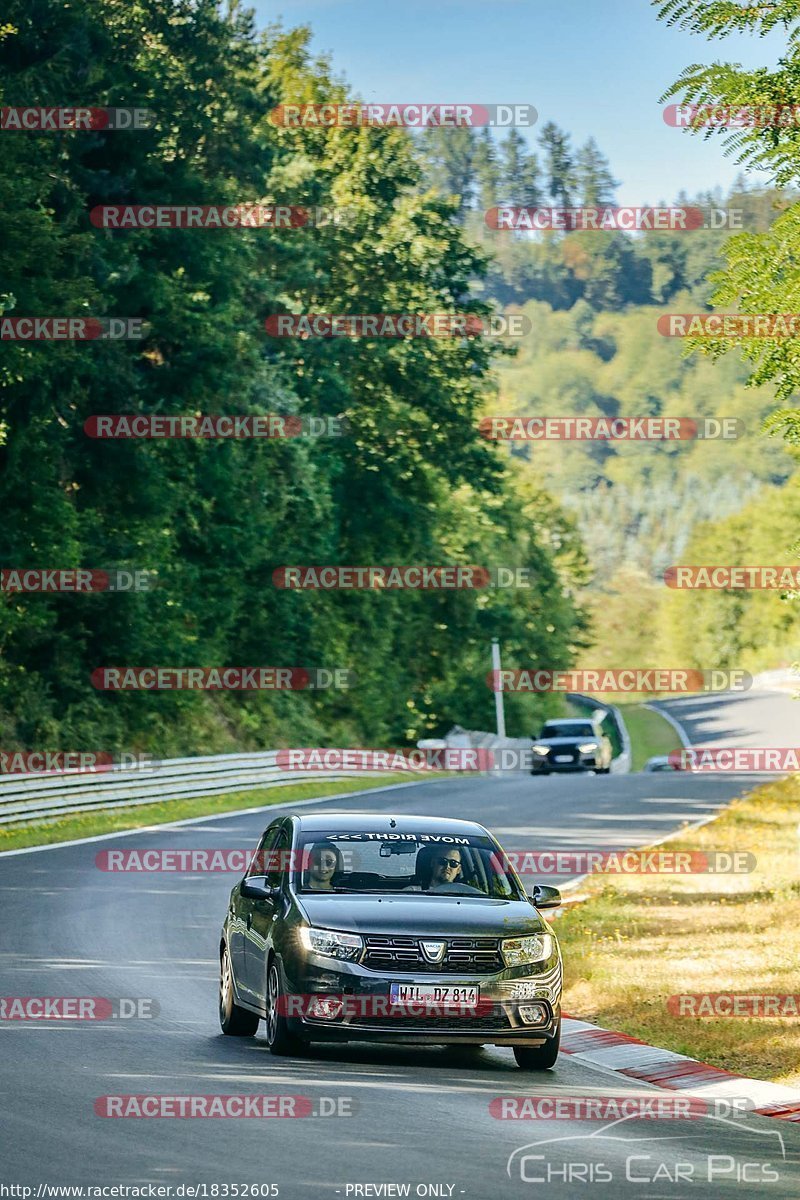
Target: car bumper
541	766
367	1013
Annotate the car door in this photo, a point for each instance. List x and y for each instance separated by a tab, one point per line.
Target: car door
242	916
263	913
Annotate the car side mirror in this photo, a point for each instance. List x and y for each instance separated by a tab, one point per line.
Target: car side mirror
544	896
256	887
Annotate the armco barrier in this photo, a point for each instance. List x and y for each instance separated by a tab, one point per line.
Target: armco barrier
621	763
25	798
480	739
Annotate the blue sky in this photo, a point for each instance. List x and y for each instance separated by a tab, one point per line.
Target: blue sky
596	67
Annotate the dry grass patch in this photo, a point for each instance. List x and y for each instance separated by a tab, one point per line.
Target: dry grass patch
640	939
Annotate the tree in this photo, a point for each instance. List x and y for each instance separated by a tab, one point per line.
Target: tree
488	172
559	165
762	271
519	172
594	183
451	157
213	519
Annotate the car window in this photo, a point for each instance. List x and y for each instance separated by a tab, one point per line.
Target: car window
278	858
569	729
331	861
260	859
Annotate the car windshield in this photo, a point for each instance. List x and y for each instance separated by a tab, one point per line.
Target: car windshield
569	729
444	864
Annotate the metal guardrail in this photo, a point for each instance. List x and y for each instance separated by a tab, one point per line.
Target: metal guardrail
622	762
482	740
26	798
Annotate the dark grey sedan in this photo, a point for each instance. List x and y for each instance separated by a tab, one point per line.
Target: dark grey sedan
353	927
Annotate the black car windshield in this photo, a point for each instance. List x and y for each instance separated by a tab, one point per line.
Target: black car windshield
440	864
574	729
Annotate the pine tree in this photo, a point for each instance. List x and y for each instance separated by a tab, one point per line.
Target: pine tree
559	165
519	172
450	156
487	171
594	183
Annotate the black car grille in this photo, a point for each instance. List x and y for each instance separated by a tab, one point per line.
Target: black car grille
563	751
463	956
484	1018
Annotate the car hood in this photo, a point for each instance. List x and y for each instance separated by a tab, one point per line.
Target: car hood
455	916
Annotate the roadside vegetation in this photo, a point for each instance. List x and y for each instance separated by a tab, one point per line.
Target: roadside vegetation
649	733
409	480
639	939
114	820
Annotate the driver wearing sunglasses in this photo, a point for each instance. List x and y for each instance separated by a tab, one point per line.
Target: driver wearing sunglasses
436	870
446	867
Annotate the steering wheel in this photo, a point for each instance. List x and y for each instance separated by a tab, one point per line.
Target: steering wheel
458	889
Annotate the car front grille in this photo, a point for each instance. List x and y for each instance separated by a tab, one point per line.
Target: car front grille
483	1018
463	955
562	752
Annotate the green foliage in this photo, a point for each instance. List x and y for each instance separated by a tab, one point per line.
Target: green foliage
412	483
754	629
636	503
594	182
761	268
760	275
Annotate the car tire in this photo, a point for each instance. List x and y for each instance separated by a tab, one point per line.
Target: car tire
539	1058
233	1020
279	1039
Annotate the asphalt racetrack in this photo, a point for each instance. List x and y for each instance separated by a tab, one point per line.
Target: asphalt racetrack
415	1118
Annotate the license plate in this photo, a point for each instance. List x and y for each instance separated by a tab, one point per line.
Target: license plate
410	993
564	758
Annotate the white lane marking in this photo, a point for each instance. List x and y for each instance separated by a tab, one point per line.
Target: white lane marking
761	1091
238	812
641	817
676	725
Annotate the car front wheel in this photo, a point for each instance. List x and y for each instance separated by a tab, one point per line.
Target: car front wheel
279	1039
234	1021
539	1058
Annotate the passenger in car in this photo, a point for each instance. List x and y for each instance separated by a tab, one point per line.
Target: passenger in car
324	864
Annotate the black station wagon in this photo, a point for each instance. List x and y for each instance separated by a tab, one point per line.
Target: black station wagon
354	927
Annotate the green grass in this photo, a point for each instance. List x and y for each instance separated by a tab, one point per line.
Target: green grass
80	825
650	734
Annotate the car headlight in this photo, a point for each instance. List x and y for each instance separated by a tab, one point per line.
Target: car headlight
517	951
540	749
331	943
588	747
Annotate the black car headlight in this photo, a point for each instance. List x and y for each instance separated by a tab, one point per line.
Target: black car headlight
331	943
588	747
520	950
543	750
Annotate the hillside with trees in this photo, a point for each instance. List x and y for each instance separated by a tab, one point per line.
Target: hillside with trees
411	482
594	300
